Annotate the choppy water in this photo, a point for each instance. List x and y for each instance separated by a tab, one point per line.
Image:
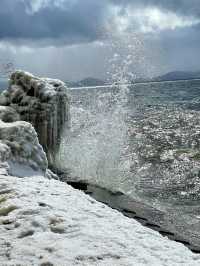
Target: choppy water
120	136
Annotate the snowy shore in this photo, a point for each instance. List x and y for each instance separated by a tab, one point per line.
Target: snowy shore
46	222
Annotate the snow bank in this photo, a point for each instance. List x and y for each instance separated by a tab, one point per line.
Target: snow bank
46	222
20	149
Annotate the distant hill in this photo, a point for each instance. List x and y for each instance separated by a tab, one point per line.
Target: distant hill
69	84
178	75
87	82
170	76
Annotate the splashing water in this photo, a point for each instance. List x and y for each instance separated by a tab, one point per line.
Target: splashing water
92	150
110	145
95	147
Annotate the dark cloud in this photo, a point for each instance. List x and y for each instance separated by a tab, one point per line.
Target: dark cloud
81	22
73	21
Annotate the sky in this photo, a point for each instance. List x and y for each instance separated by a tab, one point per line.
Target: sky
74	39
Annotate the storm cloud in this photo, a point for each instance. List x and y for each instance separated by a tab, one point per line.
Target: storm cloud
69	39
68	23
76	21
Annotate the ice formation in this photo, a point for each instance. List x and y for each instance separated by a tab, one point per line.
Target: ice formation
20	149
41	101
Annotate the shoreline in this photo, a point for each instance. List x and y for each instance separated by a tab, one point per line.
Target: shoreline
131	84
147	216
48	222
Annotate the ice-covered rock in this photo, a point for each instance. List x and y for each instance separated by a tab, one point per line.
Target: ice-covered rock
19	147
8	114
41	101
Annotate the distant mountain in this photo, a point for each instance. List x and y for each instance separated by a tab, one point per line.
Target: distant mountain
87	82
178	75
170	76
70	84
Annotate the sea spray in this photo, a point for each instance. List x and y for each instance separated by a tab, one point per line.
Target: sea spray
144	160
95	148
92	149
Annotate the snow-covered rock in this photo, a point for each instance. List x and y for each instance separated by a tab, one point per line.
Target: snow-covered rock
46	222
8	114
19	147
41	101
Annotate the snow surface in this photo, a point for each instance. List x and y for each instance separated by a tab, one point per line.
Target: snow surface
19	145
53	224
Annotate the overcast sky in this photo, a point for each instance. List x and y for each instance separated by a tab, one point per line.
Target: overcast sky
73	39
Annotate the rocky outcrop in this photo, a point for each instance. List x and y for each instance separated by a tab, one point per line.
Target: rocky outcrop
41	101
